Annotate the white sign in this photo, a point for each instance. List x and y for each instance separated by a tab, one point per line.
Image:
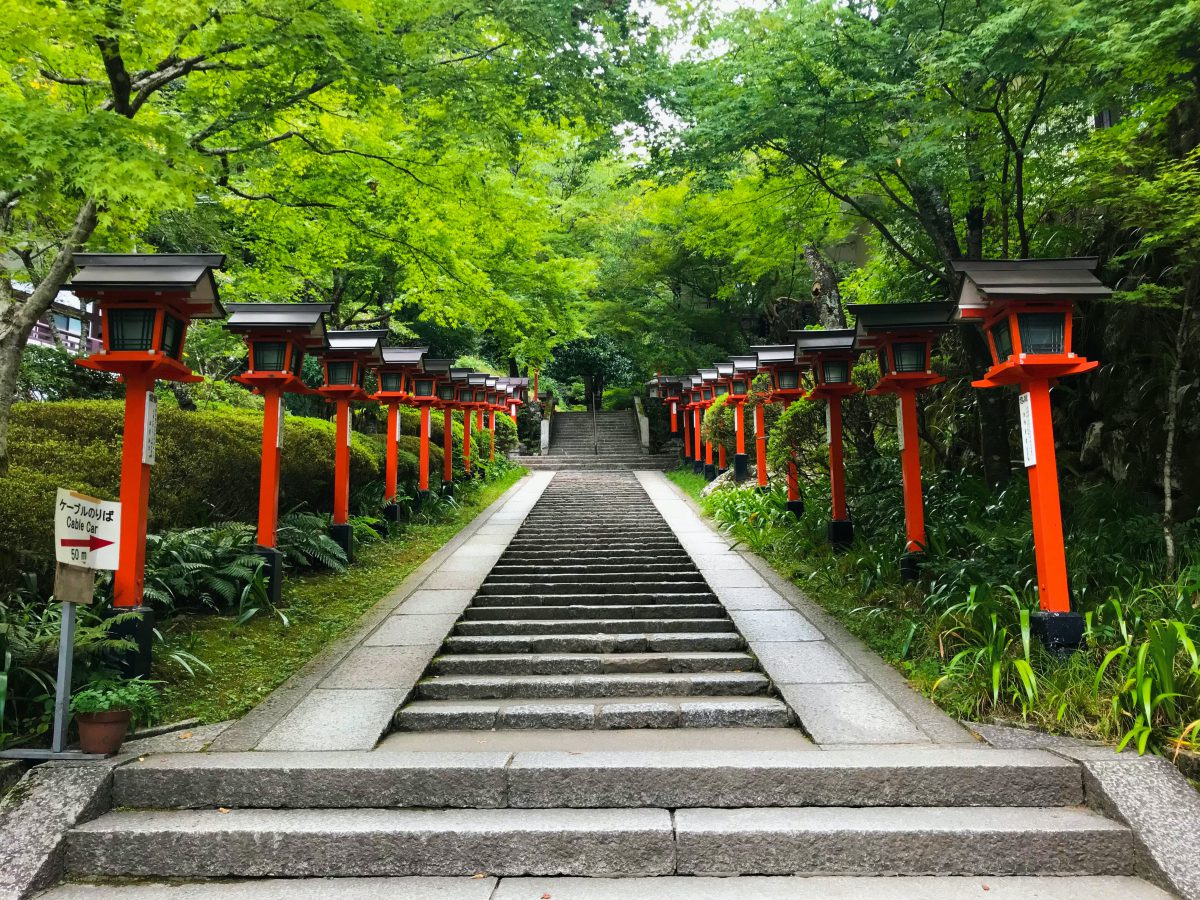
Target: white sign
398	418
279	425
900	421
829	421
87	531
1025	405
150	429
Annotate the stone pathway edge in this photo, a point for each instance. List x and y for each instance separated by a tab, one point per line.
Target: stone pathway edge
249	731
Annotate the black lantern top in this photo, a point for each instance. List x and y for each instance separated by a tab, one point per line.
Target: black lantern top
396	371
831	354
151	277
785	369
278	334
744	370
347	357
902	336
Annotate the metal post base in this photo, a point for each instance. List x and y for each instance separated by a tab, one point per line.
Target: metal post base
741	467
710	472
139	629
273	571
344	536
391	513
447	488
1061	633
841	533
697	467
422	498
910	566
795	507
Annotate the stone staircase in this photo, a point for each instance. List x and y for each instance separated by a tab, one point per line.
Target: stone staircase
611	444
595	714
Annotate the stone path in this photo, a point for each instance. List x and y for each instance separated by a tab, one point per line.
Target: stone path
610	443
518	762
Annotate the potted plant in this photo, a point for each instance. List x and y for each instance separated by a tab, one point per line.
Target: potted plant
104	709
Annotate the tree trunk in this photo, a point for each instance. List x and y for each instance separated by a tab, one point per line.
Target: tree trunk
1168	469
826	296
17	319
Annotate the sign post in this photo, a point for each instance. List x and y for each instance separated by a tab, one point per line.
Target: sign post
87	537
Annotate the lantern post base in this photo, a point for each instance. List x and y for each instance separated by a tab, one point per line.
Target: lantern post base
447	488
272	572
741	466
710	472
421	499
138	629
391	513
841	533
910	566
1060	632
697	467
343	535
795	507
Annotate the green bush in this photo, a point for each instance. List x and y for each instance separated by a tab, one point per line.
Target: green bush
48	373
138	697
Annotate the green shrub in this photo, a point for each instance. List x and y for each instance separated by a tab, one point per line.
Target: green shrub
138	697
48	373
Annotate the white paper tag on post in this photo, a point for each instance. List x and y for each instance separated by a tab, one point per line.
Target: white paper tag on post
279	426
1028	445
150	428
398	419
900	421
87	531
828	424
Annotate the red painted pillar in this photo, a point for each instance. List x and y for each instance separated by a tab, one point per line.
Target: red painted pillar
129	579
793	481
699	458
722	462
492	429
739	418
467	440
423	462
268	480
479	420
910	468
393	428
674	419
687	436
760	443
1053	590
837	462
447	446
341	465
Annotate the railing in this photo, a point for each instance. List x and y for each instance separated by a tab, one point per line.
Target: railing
42	334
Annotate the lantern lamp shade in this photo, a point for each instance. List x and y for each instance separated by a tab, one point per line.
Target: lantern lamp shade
881	355
739	387
1042	332
788	379
391	382
835	371
720	389
910	356
422	386
268	356
446	391
481	395
339	372
297	360
131	328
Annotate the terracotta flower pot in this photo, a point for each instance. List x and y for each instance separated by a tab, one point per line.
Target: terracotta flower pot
102	732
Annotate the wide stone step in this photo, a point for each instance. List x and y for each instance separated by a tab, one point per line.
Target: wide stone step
654	642
711	610
654	684
582	714
600	603
596	557
885	776
510	574
588	663
597	586
365	842
686	887
906	841
587	626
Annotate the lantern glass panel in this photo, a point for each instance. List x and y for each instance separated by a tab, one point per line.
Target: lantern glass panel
481	396
340	372
882	355
268	355
423	387
789	379
130	329
721	390
297	361
909	356
706	393
446	392
740	387
391	382
1002	338
837	371
1042	332
172	340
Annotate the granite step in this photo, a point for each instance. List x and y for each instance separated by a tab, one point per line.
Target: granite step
709	610
946	776
582	586
503	627
535	687
508	574
653	642
600	602
583	713
589	663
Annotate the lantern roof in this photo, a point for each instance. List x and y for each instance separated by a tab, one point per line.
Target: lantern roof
775	354
695	380
747	363
984	282
189	274
458	374
494	381
875	320
306	319
436	366
478	378
823	340
708	375
724	369
360	341
404	356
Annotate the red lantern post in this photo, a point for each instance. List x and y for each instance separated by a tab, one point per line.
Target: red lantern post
709	379
347	359
902	336
278	335
744	370
146	302
424	396
1026	309
696	407
779	360
831	354
394	377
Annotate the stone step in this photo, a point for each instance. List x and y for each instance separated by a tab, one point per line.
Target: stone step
509	574
367	842
589	663
651	684
711	610
887	776
502	627
597	586
582	714
653	642
686	887
596	557
599	602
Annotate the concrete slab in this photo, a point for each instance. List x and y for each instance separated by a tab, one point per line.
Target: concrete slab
804	662
774	625
335	720
404	630
465	581
381	668
849	714
734	578
401	888
753	598
432	601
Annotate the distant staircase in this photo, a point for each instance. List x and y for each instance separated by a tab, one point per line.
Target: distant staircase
609	442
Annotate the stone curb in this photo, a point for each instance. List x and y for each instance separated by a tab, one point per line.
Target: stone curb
936	725
246	733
